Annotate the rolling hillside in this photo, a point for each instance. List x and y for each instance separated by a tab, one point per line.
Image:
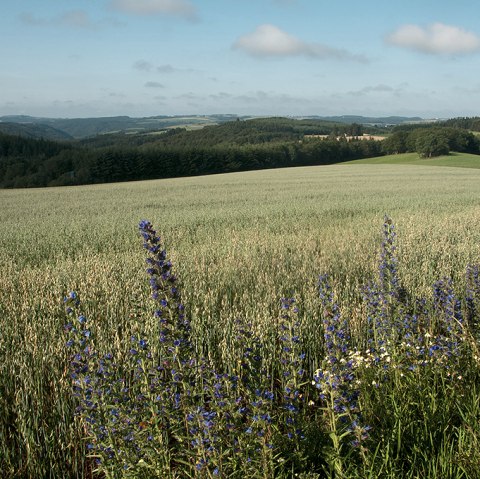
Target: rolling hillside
88	127
34	130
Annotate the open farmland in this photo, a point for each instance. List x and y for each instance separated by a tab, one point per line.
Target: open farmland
239	242
456	160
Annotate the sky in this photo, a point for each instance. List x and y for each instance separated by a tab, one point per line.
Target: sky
93	58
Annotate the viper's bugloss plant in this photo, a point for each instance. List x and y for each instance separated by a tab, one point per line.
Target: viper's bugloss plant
336	383
155	408
388	269
292	370
174	328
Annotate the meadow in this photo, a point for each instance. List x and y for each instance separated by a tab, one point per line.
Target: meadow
239	243
457	160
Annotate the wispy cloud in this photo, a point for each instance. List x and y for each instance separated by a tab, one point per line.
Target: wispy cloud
257	97
378	89
69	19
285	2
77	19
220	96
143	65
166	69
270	41
154	84
438	39
272	98
182	8
189	96
146	66
30	19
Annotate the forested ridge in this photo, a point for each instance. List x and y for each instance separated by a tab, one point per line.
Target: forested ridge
231	146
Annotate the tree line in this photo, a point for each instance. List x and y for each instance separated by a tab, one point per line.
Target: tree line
232	146
74	166
431	141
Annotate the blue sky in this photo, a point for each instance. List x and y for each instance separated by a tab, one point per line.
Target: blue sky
81	58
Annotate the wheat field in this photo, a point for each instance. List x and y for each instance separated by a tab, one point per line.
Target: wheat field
238	242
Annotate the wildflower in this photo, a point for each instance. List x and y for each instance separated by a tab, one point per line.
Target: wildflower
174	332
389	282
291	357
336	380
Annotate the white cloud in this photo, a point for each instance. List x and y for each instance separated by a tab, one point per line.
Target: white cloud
270	41
183	8
438	38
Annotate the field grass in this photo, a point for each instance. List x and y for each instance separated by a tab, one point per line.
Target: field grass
456	160
239	243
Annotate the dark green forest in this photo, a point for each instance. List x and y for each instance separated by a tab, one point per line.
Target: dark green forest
231	146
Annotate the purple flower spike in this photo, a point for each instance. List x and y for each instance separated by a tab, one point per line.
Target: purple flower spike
174	332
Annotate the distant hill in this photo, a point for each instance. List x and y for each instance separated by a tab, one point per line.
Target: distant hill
33	130
89	127
367	120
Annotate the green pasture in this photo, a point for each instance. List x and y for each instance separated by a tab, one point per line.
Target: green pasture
239	242
456	160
